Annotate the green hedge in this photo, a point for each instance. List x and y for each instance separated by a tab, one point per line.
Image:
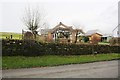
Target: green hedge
21	48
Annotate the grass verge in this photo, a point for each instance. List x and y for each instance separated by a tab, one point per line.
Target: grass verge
52	60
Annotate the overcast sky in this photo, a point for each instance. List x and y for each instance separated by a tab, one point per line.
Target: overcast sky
88	14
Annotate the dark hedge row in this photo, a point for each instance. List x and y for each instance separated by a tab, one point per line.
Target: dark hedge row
21	48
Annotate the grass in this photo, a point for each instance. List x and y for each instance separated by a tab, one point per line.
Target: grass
52	60
3	35
104	43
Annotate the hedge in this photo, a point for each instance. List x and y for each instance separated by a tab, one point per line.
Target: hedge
21	48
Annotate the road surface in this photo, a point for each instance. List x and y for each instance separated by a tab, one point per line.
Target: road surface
105	69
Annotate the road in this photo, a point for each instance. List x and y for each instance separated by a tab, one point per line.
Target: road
105	69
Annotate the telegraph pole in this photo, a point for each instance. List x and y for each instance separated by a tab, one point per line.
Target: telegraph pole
118	33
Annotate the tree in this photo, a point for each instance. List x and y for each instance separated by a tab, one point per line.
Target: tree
77	30
33	19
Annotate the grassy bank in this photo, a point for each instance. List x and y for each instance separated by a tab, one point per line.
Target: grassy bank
50	60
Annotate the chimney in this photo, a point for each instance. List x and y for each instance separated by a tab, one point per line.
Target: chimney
60	22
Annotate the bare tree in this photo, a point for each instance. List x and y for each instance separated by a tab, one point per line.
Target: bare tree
78	25
33	19
77	29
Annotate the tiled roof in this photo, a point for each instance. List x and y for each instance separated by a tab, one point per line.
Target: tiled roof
107	35
62	26
44	31
90	32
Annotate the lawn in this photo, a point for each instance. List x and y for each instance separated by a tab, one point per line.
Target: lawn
104	43
3	35
52	60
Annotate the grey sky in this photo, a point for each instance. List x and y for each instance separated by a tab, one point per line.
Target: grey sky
89	14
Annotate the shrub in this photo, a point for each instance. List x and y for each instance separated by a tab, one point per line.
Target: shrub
115	41
21	48
86	39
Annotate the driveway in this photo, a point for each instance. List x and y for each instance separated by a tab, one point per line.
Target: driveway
105	69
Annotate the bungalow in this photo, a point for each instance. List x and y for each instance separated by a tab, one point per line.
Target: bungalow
63	33
94	35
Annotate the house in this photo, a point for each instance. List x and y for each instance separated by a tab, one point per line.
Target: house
94	35
44	31
44	35
106	37
63	33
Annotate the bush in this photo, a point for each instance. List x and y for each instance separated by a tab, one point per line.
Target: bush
86	39
21	48
115	41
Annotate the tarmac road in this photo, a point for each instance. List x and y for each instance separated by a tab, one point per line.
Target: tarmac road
105	69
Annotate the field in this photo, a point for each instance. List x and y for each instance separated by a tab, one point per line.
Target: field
3	35
52	60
